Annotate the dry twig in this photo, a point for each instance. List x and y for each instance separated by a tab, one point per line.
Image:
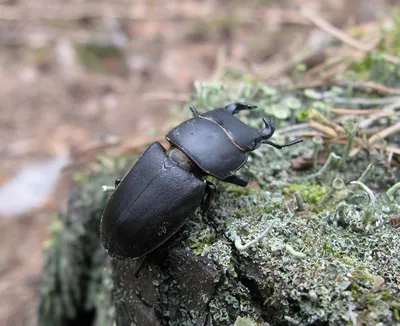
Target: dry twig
385	133
337	33
355	111
219	64
369	85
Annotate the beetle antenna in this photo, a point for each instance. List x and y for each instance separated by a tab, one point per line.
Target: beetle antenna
234	108
268	142
269	129
194	111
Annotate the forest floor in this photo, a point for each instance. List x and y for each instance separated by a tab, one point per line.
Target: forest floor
74	74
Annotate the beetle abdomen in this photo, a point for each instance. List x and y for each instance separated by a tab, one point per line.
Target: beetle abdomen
151	203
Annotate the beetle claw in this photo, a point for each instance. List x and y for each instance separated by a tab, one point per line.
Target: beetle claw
269	129
234	108
210	194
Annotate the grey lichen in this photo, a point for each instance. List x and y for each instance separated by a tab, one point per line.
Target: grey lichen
75	280
240	321
303	263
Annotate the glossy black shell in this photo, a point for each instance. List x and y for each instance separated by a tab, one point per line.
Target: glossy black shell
151	203
216	141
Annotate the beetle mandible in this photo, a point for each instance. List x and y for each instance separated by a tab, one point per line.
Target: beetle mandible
165	187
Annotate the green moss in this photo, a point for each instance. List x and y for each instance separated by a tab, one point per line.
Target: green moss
311	193
242	212
361	275
268	208
303	116
80	177
375	67
199	243
396	314
240	191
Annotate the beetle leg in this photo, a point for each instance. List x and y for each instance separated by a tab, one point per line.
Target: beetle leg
209	196
140	264
299	140
194	111
238	180
117	182
239	106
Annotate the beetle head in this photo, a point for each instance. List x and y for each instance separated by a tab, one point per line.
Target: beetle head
265	134
243	136
269	130
234	108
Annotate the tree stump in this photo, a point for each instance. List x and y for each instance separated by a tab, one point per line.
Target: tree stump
316	265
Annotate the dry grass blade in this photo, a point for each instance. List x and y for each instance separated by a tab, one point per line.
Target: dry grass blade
385	133
378	88
393	100
337	58
328	131
333	133
388	149
337	33
317	116
220	62
355	111
368	122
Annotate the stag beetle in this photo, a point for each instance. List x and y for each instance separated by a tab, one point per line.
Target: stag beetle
165	187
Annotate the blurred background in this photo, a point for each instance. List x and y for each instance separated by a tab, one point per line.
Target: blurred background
76	72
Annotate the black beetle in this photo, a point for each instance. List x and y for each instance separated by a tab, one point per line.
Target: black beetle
159	194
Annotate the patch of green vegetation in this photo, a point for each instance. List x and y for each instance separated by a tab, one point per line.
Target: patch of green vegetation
242	212
237	191
303	116
396	314
312	193
392	36
100	58
268	208
211	95
199	245
80	177
375	67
